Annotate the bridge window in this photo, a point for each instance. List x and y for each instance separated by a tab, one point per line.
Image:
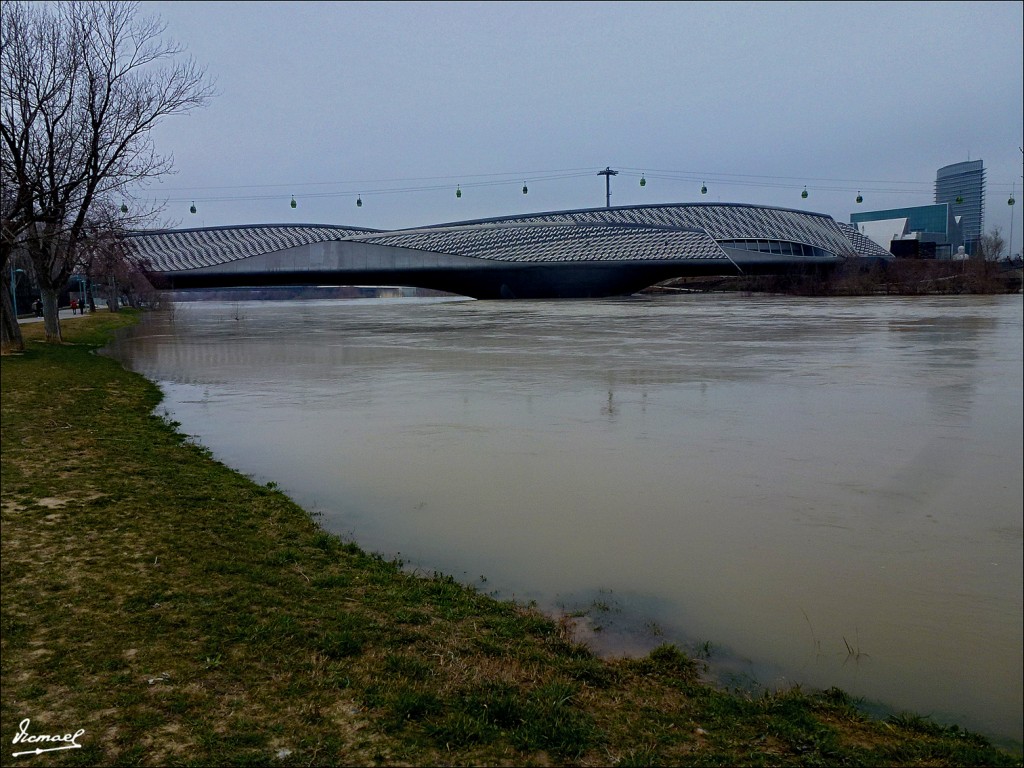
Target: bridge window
779	247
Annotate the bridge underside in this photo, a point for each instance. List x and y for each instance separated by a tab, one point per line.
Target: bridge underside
507	281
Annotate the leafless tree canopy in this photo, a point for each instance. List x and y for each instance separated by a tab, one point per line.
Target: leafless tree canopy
82	85
992	245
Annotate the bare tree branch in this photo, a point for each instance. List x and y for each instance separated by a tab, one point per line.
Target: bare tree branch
83	83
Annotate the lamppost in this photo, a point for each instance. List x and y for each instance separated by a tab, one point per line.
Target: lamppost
14	287
1010	202
81	293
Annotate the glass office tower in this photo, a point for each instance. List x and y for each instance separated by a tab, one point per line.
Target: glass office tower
964	182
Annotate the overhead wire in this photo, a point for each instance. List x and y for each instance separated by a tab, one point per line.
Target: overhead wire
480	180
513	179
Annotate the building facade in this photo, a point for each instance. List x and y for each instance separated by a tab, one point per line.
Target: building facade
923	231
556	254
962	186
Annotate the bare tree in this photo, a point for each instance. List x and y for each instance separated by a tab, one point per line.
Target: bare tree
83	83
105	260
991	246
10	232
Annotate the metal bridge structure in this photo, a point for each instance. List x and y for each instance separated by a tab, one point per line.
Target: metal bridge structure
592	252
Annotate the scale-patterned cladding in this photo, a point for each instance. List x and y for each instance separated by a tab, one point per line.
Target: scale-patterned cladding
589	252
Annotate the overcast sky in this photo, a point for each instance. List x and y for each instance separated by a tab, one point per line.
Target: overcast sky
400	103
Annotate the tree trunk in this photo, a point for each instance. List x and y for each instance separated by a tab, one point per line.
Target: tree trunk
10	331
112	304
51	320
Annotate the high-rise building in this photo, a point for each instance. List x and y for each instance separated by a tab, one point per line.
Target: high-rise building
962	186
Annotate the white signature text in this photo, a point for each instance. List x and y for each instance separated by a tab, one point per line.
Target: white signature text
65	741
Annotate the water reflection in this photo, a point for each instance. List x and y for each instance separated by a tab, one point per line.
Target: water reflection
830	490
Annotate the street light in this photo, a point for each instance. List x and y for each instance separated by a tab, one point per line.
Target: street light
14	287
81	293
1011	202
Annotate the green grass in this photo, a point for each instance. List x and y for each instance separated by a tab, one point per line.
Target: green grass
184	615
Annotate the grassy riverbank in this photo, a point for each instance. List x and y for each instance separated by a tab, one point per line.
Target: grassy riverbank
183	615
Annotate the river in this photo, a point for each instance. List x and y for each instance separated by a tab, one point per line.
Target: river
806	491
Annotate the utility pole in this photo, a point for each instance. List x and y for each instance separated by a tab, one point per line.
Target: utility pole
1011	201
607	173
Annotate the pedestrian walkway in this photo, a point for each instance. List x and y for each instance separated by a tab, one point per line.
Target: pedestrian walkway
63	314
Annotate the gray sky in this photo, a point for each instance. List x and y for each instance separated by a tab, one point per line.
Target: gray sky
400	102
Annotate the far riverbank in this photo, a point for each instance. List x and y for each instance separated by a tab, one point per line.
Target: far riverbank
903	277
